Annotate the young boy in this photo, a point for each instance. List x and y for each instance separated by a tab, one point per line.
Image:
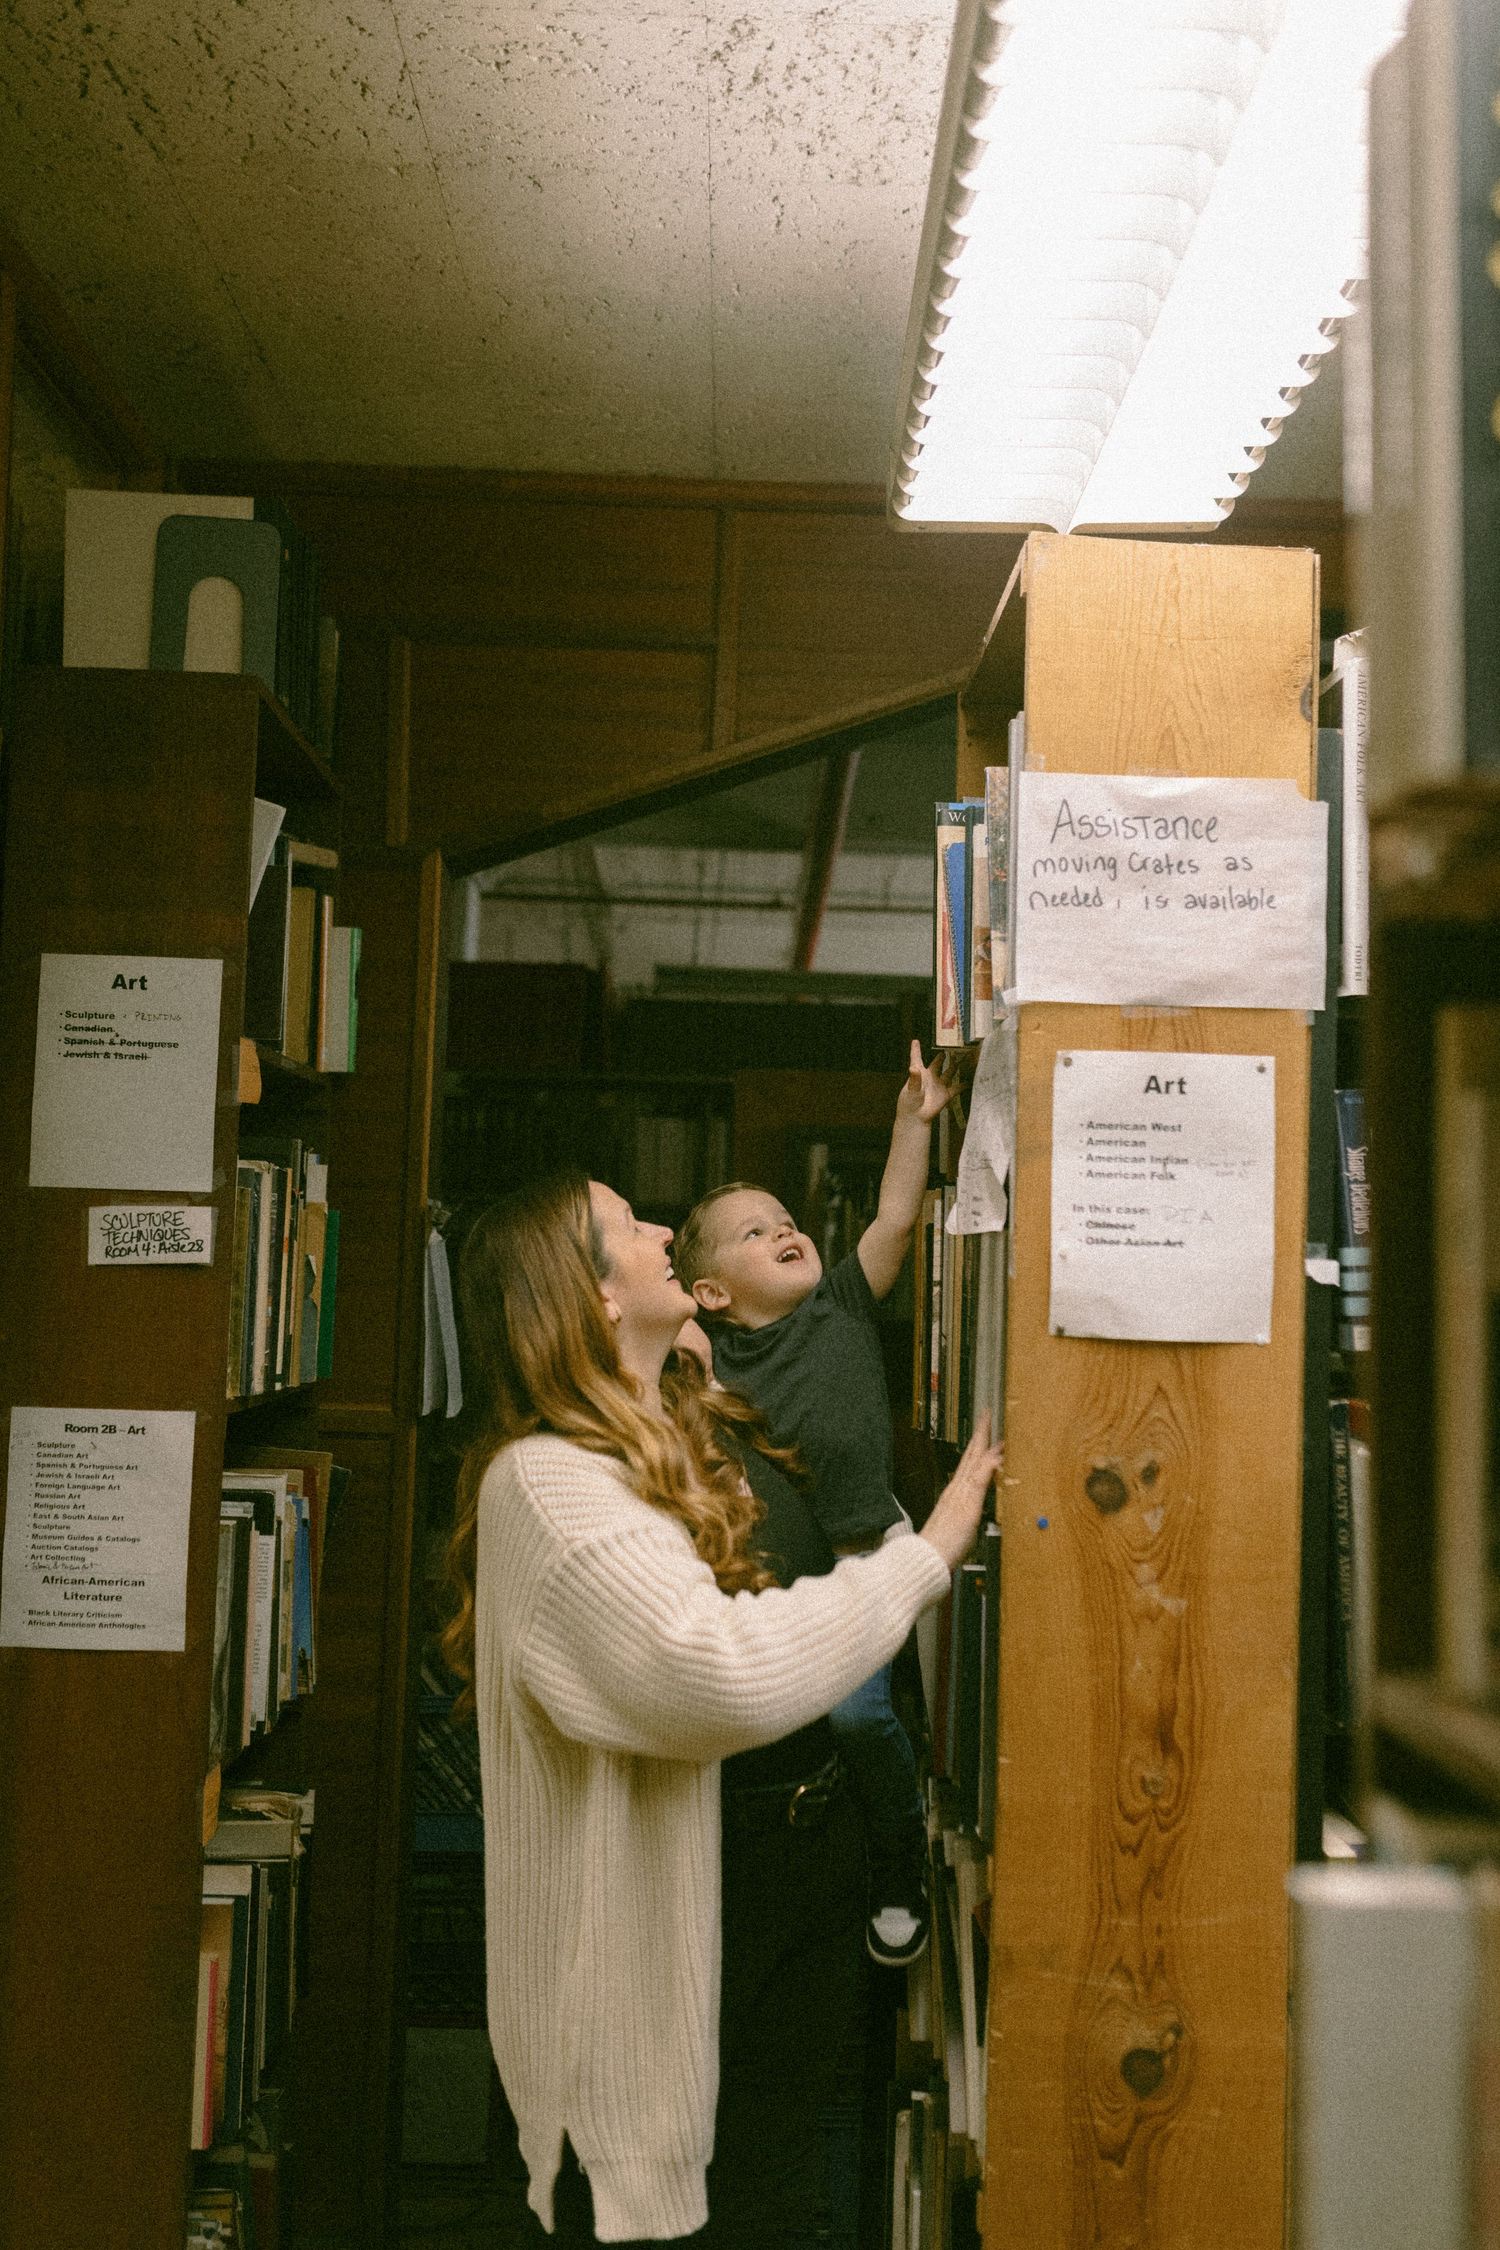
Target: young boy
803	1346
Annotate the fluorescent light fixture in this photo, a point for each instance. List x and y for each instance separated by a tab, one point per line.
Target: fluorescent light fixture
1147	219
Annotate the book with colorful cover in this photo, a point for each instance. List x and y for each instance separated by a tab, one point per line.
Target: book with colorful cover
981	973
948	1029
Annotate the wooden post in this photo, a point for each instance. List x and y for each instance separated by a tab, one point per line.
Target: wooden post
1151	1512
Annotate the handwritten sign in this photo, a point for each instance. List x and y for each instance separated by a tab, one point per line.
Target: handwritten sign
151	1234
1163	1196
127	1058
96	1528
1132	888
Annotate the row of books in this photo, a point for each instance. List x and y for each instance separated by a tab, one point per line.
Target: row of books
284	1278
918	2215
958	1346
936	2104
973	918
251	1951
307	642
274	1511
301	967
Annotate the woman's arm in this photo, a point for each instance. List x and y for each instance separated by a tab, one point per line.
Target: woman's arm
633	1646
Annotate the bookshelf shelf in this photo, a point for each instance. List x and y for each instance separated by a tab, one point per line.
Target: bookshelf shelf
288	1394
277	1065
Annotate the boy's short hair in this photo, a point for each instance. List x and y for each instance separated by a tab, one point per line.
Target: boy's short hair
694	1245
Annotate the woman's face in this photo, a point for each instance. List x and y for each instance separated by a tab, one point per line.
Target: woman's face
641	1292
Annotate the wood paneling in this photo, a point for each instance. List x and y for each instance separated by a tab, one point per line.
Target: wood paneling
764	1100
509	741
1151	1511
840	611
569	571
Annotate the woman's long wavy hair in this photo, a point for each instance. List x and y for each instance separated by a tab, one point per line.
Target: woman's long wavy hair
540	1355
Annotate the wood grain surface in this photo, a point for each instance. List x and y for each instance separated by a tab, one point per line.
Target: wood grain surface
128	831
1151	1512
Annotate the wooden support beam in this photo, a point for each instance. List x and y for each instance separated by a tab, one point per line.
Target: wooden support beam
820	853
1151	1524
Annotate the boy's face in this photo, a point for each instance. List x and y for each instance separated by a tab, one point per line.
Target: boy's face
761	1267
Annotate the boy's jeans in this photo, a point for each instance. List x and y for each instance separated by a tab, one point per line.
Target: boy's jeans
875	1748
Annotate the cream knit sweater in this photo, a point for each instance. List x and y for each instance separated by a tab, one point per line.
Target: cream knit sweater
612	1676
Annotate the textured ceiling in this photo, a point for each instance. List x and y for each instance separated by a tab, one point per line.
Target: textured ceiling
626	238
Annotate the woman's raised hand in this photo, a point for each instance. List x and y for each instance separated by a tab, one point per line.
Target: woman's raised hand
953	1524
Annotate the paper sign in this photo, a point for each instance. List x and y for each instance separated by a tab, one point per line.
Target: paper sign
151	1234
127	1058
979	1204
1131	888
96	1528
1163	1196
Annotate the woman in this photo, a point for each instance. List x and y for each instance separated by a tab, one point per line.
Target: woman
624	1637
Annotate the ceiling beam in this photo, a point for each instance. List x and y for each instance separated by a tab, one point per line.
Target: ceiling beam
820	854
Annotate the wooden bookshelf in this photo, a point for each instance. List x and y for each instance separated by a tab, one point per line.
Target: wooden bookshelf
128	831
1151	1511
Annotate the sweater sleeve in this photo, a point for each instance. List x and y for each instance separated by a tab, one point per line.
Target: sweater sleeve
634	1647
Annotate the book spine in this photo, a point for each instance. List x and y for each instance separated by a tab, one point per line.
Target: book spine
203	2052
1339	1697
1351	667
355	940
1354	1221
948	1025
981	975
997	863
921	1252
935	1320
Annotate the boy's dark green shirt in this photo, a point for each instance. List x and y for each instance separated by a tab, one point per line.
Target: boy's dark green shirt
818	1377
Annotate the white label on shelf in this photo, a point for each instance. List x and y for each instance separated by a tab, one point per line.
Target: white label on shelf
1163	1196
127	1057
151	1234
96	1528
1135	888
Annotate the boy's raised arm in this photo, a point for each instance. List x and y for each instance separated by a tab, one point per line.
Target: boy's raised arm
882	1246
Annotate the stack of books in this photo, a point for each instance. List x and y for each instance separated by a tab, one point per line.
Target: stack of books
301	967
971	949
284	1276
958	1334
250	1961
273	1521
